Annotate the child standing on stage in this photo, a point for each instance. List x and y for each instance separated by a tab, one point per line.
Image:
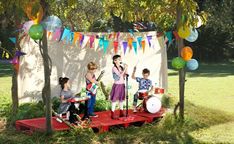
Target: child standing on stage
90	79
144	84
118	88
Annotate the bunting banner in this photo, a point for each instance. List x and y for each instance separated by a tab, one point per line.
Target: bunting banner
169	36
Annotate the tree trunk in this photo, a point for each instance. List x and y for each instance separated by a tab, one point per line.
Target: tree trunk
46	91
14	93
180	45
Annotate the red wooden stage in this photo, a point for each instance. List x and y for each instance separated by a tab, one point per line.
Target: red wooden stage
102	123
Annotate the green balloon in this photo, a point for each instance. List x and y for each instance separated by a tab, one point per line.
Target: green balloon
178	63
36	31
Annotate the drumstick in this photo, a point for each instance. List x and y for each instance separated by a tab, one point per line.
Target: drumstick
137	63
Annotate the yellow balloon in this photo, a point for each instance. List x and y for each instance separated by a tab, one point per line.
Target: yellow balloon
184	31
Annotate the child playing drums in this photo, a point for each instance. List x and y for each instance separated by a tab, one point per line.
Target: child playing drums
145	86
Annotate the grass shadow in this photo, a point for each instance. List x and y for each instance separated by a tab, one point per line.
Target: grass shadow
6	69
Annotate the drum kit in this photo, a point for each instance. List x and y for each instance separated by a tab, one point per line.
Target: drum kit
151	103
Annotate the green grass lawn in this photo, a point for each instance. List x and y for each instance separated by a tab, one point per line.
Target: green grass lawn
209	114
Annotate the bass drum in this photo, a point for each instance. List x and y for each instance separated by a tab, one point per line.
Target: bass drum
152	104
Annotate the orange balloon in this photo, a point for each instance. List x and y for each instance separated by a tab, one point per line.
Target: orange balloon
186	53
35	17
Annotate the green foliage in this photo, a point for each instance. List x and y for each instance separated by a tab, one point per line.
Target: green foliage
102	105
167	100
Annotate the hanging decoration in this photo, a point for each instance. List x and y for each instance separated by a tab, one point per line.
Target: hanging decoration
125	45
91	41
143	45
192	64
193	35
186	53
13	39
105	45
199	23
169	36
57	34
51	23
116	44
139	39
34	11
184	31
36	31
130	43
135	46
149	38
27	25
178	63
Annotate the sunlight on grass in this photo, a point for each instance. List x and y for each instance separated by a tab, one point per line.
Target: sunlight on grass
223	133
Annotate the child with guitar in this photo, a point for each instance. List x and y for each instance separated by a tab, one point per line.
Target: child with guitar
118	88
90	82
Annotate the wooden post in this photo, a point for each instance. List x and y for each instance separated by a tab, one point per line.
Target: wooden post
180	45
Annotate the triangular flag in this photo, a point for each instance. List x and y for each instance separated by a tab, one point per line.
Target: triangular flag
96	43
125	45
135	46
19	53
149	38
143	45
13	39
105	44
101	42
131	32
176	35
76	37
139	39
118	35
66	33
169	36
48	34
130	42
81	39
85	41
91	41
57	34
116	44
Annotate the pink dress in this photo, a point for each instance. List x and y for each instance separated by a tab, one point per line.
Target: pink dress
118	88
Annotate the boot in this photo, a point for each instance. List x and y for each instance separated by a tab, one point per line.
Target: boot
121	113
113	115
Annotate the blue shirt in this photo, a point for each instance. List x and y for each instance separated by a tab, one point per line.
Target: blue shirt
144	84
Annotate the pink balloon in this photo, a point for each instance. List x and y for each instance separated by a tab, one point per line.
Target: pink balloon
27	26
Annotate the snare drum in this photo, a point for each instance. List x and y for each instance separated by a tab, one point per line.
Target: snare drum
142	94
152	104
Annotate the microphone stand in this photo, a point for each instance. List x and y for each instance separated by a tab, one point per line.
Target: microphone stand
127	75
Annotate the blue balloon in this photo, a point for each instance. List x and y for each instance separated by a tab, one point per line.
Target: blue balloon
51	23
192	64
193	35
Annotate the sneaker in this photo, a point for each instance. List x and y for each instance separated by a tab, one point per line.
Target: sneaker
93	115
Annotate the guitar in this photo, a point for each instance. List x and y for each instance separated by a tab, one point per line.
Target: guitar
92	87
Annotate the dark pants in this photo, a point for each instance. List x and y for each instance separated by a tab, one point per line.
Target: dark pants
135	99
91	103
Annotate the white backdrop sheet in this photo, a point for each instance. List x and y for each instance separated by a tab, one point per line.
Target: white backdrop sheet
71	61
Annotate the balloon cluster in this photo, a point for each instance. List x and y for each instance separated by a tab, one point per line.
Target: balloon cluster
191	35
34	28
185	59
